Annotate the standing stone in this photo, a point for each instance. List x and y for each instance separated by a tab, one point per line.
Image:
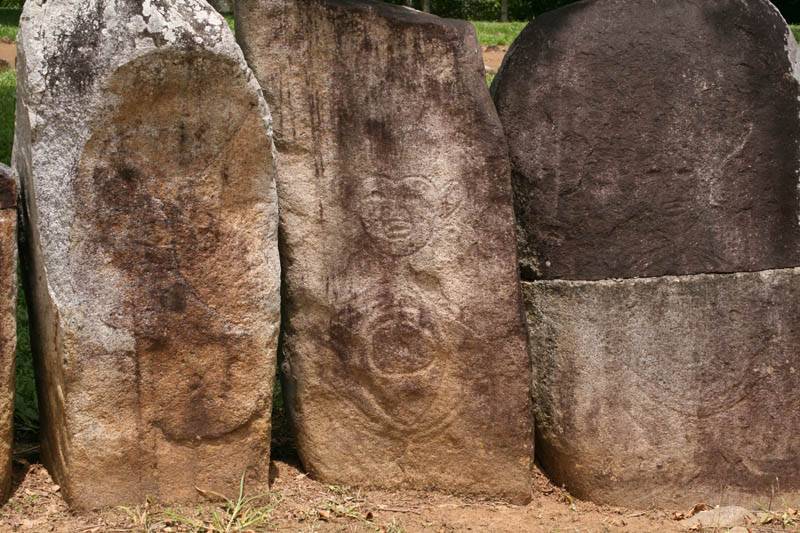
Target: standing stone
653	138
650	139
8	323
405	349
145	157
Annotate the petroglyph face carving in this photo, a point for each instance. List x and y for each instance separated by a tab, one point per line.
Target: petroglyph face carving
400	215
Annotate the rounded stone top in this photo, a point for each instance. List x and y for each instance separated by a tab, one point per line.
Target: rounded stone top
654	138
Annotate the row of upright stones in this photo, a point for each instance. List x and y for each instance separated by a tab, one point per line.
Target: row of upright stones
652	142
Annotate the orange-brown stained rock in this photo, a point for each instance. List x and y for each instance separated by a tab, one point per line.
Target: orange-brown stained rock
152	223
8	324
405	360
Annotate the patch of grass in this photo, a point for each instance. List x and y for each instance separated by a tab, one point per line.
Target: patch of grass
498	33
26	409
231	22
8	95
796	31
245	513
9	23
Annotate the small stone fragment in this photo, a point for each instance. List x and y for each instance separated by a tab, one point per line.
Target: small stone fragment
720	518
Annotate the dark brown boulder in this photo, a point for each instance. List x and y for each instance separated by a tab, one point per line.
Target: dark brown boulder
404	342
653	138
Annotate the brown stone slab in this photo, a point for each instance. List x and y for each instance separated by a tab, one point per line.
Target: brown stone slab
653	138
669	391
8	338
405	351
153	261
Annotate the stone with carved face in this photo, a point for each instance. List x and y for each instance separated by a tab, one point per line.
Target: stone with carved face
399	215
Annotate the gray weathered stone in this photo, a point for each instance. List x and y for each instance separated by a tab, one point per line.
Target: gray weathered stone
145	158
654	138
719	518
8	323
669	391
404	343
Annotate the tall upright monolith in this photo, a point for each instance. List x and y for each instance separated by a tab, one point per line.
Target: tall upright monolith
655	158
144	151
404	344
8	323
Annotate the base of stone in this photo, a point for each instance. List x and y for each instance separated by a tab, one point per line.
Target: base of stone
669	391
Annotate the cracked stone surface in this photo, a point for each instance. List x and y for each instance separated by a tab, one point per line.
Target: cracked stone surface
405	350
144	152
652	139
8	323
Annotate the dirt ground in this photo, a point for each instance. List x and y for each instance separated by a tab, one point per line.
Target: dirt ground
8	54
294	502
493	58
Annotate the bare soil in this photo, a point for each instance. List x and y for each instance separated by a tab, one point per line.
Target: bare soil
298	503
294	502
493	58
8	55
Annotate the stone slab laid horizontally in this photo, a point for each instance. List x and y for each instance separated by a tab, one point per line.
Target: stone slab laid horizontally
143	149
669	389
659	140
405	349
8	323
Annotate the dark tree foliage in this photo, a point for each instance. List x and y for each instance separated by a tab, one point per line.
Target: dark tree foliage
790	9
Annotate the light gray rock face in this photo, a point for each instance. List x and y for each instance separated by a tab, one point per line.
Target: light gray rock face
145	157
8	324
669	391
405	349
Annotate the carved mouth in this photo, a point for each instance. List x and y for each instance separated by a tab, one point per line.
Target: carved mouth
397	229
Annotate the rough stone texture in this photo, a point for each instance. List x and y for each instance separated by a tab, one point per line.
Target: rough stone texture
652	138
405	350
669	391
719	518
144	153
8	323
